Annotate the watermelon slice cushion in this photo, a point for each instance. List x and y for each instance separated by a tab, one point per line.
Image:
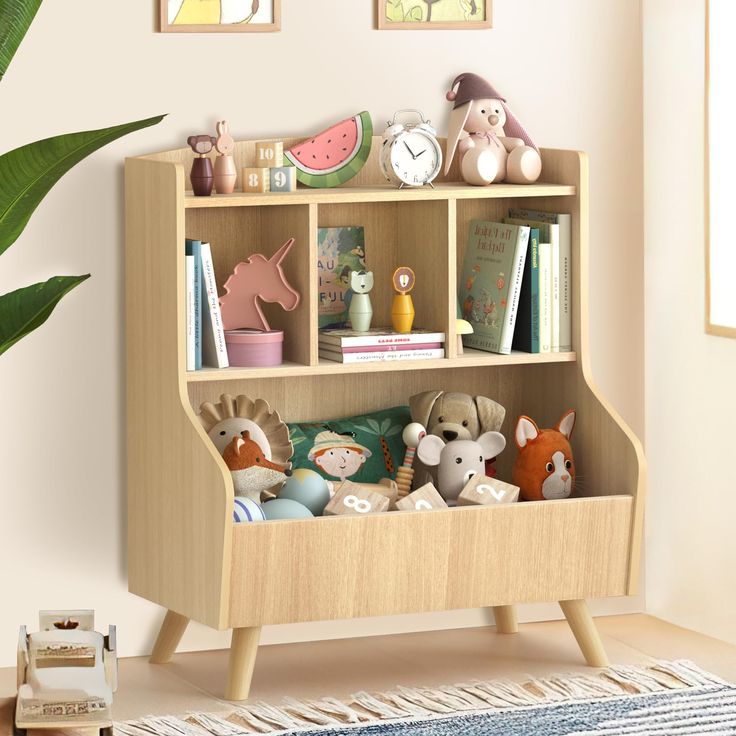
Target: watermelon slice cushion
335	156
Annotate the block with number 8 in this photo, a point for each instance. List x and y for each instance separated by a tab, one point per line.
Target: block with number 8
425	498
256	180
352	499
283	179
270	154
484	491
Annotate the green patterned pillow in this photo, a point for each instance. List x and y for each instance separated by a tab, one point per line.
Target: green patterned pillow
364	449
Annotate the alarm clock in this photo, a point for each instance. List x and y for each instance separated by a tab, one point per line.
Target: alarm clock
411	154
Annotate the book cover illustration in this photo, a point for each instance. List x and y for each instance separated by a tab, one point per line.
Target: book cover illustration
340	250
484	284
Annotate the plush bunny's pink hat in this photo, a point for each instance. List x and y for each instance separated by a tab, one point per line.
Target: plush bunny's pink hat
471	87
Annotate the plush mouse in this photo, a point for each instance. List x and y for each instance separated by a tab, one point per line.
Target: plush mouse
458	461
544	467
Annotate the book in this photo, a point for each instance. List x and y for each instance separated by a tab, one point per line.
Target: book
526	333
194	248
564	223
214	349
490	283
340	250
384	348
545	297
377	336
189	280
380	356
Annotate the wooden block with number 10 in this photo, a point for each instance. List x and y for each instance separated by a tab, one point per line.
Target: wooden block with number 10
270	154
283	179
352	499
425	498
256	180
484	491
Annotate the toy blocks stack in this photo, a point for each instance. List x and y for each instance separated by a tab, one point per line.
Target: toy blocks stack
269	174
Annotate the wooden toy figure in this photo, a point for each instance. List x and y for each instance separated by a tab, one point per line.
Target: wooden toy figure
402	311
225	173
361	310
412	435
202	176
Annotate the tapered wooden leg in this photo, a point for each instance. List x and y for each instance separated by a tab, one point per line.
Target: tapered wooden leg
506	622
243	650
172	630
585	632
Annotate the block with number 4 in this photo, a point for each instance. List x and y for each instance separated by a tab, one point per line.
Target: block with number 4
256	180
352	499
283	179
425	498
270	154
484	491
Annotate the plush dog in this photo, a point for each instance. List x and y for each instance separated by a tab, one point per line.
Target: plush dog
454	416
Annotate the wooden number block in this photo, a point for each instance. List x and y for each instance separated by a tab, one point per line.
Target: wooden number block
484	491
270	154
351	498
256	180
425	498
283	179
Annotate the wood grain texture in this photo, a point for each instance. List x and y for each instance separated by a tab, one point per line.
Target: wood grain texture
441	560
243	652
505	617
172	629
585	632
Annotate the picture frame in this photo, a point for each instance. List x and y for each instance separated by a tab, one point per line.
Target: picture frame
433	15
219	16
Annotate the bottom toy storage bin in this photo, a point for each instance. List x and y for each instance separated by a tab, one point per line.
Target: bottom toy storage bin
410	562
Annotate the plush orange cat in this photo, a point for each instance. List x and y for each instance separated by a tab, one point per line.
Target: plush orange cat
544	467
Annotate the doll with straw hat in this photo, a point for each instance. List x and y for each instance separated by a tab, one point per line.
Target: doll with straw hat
338	455
497	147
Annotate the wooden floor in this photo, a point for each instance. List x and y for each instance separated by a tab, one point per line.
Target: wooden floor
194	681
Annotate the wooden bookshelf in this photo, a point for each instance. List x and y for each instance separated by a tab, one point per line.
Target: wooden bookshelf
185	553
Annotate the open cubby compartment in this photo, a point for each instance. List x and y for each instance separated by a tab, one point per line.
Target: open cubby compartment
236	233
415	234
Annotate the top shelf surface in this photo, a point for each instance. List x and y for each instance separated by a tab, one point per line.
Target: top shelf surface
379	193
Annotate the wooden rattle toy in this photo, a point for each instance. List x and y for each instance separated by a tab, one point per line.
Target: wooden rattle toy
425	498
484	491
225	173
361	309
352	499
202	176
402	311
412	435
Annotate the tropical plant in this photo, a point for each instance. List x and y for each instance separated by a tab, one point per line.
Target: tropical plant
26	176
383	431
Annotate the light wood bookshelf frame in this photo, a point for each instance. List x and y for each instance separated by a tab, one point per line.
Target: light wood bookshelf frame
185	553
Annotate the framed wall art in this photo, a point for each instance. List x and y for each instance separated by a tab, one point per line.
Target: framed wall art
219	16
422	15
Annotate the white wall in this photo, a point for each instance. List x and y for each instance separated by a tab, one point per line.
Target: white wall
690	396
572	72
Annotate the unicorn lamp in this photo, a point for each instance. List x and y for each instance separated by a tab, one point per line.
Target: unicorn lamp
250	339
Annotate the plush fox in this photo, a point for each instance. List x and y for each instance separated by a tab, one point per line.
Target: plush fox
544	467
252	471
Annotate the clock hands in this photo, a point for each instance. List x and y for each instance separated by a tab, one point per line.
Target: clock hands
410	151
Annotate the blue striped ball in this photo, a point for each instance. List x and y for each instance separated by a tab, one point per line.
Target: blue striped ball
247	510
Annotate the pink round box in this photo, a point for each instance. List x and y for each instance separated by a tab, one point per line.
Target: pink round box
254	348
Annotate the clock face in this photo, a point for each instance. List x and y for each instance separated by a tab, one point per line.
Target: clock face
416	158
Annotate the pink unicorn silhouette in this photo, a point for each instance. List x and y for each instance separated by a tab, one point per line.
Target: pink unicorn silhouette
257	278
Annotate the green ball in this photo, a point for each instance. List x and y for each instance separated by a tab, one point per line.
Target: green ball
307	488
285	508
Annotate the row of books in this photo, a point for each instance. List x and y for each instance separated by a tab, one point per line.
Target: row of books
348	346
516	283
205	335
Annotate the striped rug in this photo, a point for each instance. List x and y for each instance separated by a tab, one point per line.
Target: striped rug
660	699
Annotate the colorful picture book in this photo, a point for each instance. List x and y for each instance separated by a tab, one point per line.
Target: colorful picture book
340	250
205	335
490	283
349	346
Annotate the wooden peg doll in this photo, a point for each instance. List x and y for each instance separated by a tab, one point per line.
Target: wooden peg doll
225	172
202	176
361	310
402	311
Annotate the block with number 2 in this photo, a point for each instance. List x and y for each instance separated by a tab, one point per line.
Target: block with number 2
484	491
352	499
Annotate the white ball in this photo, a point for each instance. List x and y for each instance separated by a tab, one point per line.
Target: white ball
413	433
246	510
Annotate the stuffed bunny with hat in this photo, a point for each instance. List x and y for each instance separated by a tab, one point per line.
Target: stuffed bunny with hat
497	147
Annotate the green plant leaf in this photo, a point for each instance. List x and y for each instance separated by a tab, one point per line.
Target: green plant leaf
27	173
414	15
16	17
394	430
395	10
23	310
